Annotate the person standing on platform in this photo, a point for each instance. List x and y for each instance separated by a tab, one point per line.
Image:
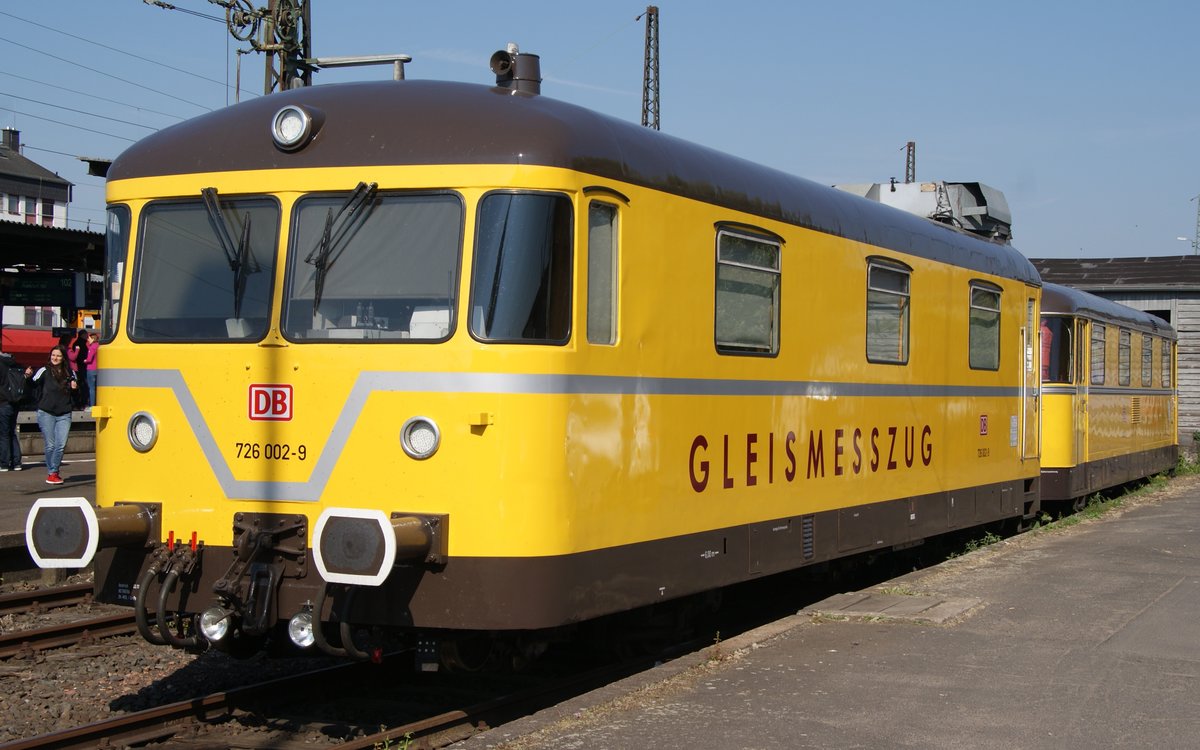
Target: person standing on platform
93	348
78	354
10	444
55	387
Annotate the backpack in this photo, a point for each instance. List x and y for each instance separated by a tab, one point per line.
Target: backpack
12	384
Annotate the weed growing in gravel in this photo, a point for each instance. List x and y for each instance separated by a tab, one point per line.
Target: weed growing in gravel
900	590
986	540
388	744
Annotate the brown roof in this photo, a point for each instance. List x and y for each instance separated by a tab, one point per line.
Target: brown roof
362	125
1173	271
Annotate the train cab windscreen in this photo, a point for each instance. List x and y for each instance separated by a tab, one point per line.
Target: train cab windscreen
373	266
204	269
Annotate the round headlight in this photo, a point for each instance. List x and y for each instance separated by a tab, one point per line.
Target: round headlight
214	623
300	629
143	431
291	127
420	437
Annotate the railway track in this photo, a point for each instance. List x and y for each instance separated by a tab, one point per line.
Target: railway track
217	720
40	600
77	632
87	630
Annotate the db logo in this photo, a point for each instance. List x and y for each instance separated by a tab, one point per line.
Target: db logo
982	424
271	402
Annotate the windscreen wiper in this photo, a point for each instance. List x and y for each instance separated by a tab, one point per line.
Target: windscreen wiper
240	256
338	228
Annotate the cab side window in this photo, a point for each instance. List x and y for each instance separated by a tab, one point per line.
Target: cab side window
602	274
521	290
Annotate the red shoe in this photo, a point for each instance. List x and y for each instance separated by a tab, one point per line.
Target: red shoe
54	479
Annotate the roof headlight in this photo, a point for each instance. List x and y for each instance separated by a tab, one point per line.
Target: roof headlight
143	431
420	437
291	127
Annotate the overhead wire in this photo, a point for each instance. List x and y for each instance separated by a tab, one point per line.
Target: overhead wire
223	84
108	75
70	125
78	111
135	107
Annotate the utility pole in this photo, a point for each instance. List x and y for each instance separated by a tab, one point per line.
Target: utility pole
910	164
281	30
1196	236
650	70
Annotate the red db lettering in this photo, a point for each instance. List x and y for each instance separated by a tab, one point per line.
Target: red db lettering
271	402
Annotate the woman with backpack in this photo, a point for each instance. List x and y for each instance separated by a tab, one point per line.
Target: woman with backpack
12	390
55	389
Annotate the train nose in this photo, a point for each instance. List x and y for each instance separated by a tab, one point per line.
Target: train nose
65	532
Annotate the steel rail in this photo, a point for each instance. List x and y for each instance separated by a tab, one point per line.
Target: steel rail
18	602
65	634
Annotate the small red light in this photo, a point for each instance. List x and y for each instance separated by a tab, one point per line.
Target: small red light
377	655
193	541
171	540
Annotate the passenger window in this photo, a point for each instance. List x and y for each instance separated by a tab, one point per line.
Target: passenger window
887	312
984	334
521	290
1166	363
747	303
1147	360
602	274
1097	354
1124	356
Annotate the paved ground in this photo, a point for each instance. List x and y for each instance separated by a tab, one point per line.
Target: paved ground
1081	638
1085	638
18	490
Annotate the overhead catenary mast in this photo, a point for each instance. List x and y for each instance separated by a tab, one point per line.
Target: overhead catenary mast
650	70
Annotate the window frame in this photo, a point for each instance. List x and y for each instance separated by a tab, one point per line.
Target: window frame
1102	339
977	285
1147	360
138	253
894	266
770	239
116	264
294	258
568	273
1124	357
612	270
1165	358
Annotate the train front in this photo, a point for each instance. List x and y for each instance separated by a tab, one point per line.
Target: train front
284	421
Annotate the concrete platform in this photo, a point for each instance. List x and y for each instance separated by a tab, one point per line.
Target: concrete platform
1075	639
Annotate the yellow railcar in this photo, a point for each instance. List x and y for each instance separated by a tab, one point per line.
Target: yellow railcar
420	357
1110	408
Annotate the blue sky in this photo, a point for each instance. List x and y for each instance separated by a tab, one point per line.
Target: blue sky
1085	114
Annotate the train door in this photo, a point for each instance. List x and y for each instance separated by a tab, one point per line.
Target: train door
1031	379
1082	377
